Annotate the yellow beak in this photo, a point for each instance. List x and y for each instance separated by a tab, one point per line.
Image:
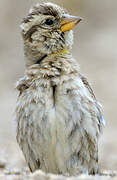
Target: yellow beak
69	22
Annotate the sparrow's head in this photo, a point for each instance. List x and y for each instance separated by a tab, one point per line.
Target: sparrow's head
46	30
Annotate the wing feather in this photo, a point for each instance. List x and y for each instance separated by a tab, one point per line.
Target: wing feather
98	105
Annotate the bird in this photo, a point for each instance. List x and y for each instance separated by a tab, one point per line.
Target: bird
59	120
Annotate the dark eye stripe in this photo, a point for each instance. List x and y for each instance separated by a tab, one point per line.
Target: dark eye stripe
30	32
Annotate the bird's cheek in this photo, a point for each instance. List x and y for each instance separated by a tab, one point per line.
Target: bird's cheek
38	37
42	38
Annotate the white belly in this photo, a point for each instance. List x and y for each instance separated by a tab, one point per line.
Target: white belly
61	134
56	132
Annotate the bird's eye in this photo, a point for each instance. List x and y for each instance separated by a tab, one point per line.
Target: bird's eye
49	21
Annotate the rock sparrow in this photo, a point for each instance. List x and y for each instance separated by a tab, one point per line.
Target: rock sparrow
58	117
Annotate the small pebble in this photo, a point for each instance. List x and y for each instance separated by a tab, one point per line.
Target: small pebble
2	163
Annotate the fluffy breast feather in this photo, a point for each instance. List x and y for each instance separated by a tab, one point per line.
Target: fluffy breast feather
65	126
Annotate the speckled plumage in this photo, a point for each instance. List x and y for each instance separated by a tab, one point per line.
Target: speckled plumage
58	117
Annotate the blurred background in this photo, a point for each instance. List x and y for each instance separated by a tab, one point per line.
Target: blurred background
95	47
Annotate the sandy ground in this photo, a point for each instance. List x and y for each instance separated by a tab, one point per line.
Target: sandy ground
39	175
94	47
